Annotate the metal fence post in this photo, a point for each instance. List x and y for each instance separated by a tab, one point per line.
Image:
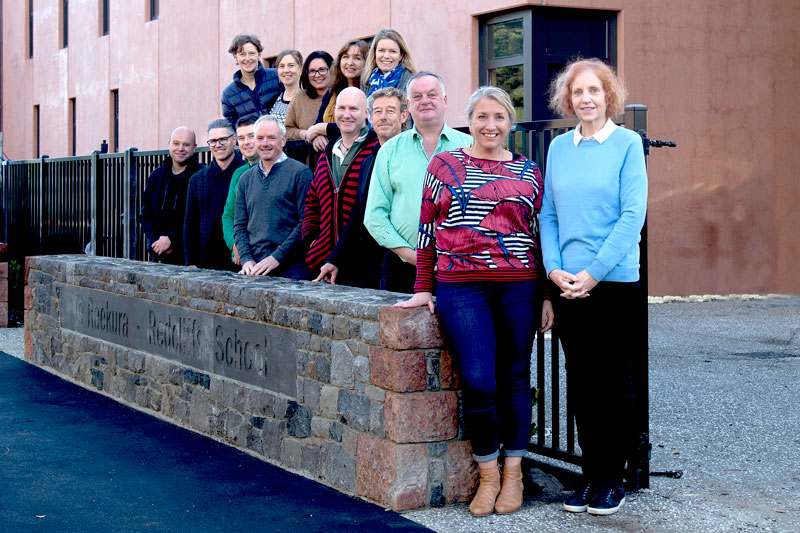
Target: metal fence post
638	474
40	201
129	215
5	196
96	188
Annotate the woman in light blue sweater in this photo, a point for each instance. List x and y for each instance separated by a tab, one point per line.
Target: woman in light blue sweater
593	210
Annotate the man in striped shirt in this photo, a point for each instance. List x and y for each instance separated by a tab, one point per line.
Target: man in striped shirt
338	251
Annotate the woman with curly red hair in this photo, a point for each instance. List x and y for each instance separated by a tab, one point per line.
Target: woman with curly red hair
595	200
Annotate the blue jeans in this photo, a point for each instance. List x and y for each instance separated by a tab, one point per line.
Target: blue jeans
298	271
489	327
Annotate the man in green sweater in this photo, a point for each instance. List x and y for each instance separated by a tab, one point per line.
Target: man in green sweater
246	137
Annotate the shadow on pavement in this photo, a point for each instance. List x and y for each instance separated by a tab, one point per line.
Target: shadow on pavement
74	460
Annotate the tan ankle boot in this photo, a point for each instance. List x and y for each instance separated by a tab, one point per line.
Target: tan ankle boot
510	498
483	502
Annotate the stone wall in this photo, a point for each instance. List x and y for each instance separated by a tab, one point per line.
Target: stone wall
330	382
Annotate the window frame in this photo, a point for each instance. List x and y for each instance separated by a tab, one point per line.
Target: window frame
487	64
63	26
535	50
104	18
72	121
151	10
29	29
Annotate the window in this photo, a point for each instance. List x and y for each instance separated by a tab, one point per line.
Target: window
36	132
71	120
151	9
114	119
63	18
29	27
104	21
505	55
269	62
524	50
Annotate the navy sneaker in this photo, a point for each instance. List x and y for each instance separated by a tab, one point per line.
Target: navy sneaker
578	501
607	499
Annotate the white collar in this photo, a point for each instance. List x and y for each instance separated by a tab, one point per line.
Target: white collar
601	135
281	159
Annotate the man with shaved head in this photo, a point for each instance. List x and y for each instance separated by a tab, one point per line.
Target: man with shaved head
164	199
340	250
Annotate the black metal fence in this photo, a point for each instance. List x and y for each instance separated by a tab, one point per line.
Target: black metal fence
61	205
71	204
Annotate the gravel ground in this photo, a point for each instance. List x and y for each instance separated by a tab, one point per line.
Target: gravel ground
12	342
724	390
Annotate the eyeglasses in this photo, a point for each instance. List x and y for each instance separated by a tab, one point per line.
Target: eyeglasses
318	72
221	140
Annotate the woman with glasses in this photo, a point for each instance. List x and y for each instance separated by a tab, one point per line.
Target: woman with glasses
347	71
303	111
289	64
253	86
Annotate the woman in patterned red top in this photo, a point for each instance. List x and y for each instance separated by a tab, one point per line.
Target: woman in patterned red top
478	237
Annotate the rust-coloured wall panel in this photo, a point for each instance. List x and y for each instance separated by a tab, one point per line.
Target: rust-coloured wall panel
718	77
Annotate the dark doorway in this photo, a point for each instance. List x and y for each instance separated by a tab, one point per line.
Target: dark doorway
522	51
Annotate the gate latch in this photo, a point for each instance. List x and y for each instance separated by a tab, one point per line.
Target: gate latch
655	143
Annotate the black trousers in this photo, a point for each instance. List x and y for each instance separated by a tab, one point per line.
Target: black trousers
599	335
396	274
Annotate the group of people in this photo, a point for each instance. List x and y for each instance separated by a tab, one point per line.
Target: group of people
383	194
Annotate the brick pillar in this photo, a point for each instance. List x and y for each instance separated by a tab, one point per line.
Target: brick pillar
3	295
422	460
27	306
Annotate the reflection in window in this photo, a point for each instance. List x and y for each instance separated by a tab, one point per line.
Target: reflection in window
506	38
510	79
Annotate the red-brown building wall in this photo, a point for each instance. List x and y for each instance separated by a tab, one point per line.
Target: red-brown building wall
717	76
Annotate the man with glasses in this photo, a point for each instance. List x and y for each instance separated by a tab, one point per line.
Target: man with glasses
246	139
164	201
204	244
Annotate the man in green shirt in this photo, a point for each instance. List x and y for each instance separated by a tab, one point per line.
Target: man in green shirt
395	192
246	137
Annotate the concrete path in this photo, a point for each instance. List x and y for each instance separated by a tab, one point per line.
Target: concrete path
724	402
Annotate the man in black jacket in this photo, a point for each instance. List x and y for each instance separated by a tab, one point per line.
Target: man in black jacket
164	201
204	244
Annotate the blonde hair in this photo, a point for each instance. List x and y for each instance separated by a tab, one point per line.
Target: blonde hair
405	58
493	93
561	87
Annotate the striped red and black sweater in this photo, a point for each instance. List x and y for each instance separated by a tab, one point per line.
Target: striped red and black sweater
478	220
329	208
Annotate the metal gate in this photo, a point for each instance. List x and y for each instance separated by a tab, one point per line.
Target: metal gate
554	416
